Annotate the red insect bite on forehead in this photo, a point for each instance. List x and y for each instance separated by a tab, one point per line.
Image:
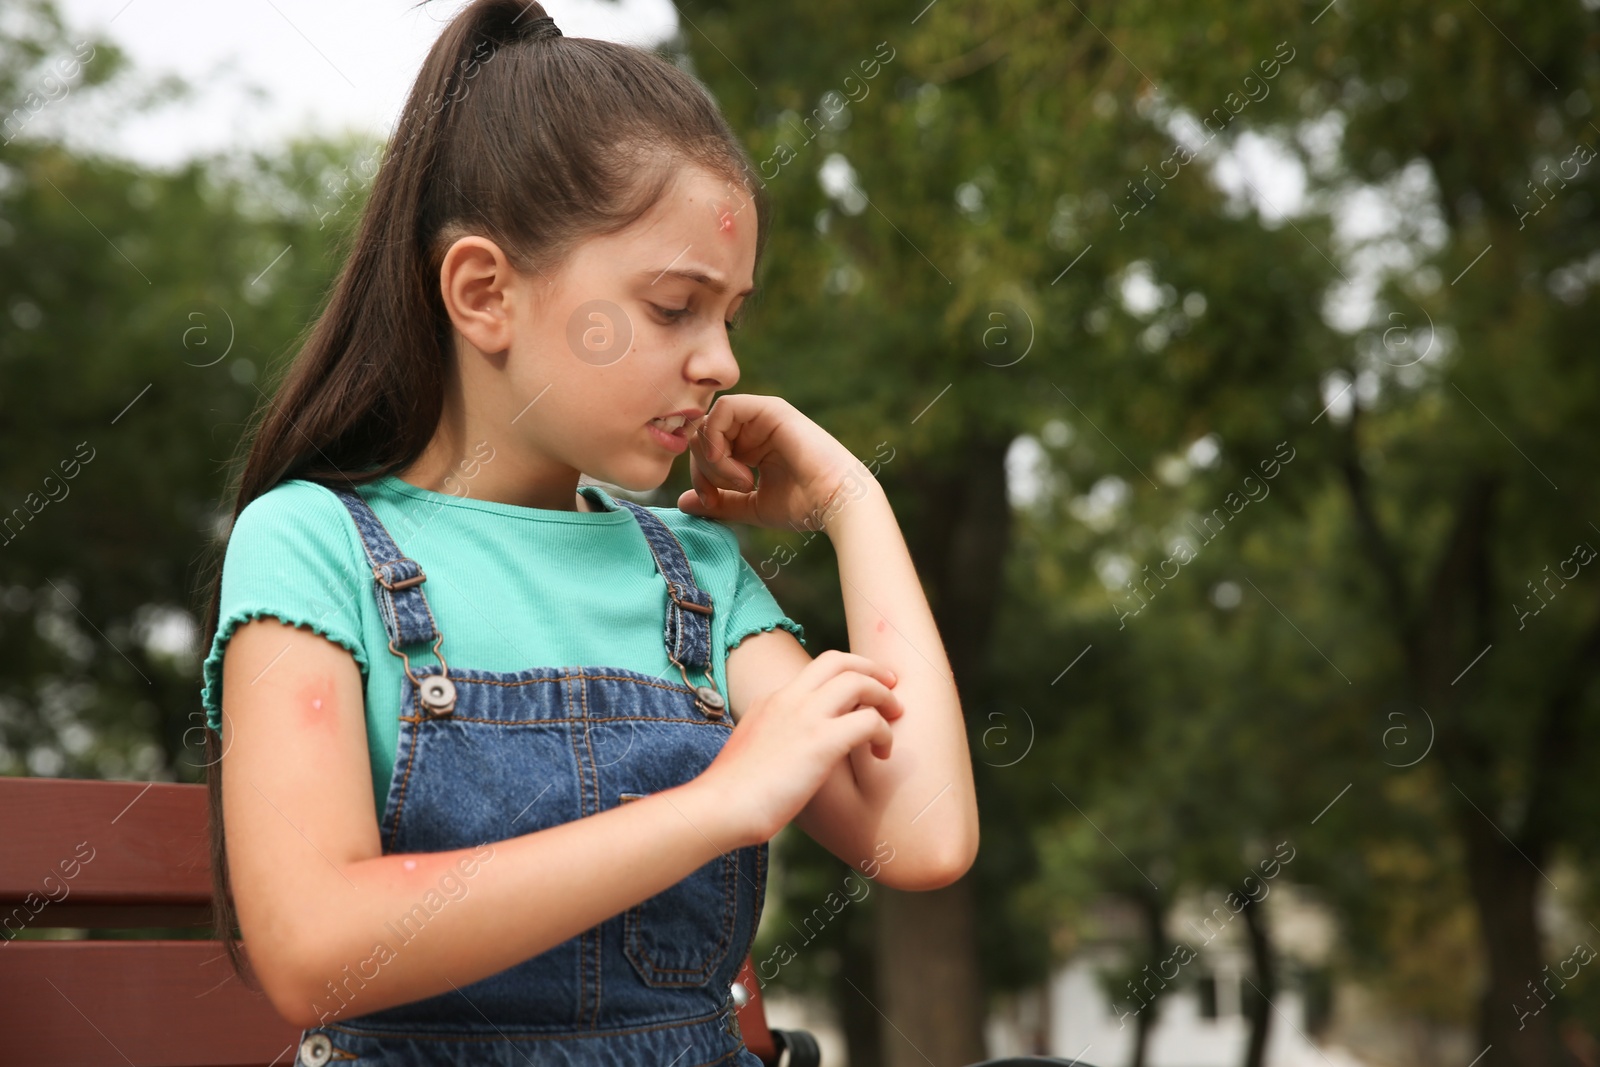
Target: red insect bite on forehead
725	223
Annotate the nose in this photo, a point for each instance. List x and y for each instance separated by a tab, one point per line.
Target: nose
712	362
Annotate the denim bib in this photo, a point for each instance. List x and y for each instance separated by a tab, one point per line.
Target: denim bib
484	756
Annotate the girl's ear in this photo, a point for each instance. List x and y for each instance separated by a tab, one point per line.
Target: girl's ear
478	284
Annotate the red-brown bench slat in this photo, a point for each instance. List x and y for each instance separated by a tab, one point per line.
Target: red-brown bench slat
152	1003
753	1017
101	844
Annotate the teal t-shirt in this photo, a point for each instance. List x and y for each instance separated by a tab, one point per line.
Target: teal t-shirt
510	588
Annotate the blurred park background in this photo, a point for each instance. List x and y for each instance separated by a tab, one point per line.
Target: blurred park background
1224	362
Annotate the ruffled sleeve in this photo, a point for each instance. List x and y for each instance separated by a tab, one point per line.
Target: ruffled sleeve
292	555
754	609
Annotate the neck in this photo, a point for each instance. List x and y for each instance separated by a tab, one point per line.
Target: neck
485	466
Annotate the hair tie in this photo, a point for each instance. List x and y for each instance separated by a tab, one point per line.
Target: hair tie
539	28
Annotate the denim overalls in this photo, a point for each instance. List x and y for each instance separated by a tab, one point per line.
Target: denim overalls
486	756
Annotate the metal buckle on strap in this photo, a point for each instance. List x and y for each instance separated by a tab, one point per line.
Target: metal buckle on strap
437	692
404	583
689	605
710	702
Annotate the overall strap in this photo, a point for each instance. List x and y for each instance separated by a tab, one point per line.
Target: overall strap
398	578
688	626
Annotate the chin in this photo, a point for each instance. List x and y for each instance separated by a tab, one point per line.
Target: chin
639	480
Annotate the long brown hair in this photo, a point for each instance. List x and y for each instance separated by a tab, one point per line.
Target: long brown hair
536	142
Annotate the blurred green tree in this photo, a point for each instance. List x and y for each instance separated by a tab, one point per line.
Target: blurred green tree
146	313
1075	182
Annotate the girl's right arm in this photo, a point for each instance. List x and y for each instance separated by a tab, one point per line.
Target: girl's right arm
318	901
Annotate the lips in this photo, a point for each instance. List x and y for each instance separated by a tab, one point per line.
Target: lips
671	423
674	441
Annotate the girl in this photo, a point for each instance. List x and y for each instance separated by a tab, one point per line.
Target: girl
447	842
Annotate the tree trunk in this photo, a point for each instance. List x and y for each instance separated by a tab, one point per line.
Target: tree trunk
931	995
1502	859
1154	916
1512	1021
1258	1001
1517	1021
957	524
858	1019
1455	618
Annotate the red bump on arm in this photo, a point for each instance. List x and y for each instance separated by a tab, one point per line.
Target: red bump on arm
420	871
425	866
317	706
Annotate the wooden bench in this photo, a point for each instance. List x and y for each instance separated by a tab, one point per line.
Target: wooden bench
93	855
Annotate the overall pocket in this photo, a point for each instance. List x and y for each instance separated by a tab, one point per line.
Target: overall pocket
681	935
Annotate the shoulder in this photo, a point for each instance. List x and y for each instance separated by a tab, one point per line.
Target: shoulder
293	503
715	552
713	547
287	502
297	518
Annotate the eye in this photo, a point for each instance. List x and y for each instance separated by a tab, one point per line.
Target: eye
672	314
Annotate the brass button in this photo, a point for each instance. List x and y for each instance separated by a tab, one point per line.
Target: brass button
741	995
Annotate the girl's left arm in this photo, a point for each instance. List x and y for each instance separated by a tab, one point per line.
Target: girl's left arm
921	799
914	815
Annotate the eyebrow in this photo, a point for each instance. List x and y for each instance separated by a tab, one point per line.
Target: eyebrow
713	282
